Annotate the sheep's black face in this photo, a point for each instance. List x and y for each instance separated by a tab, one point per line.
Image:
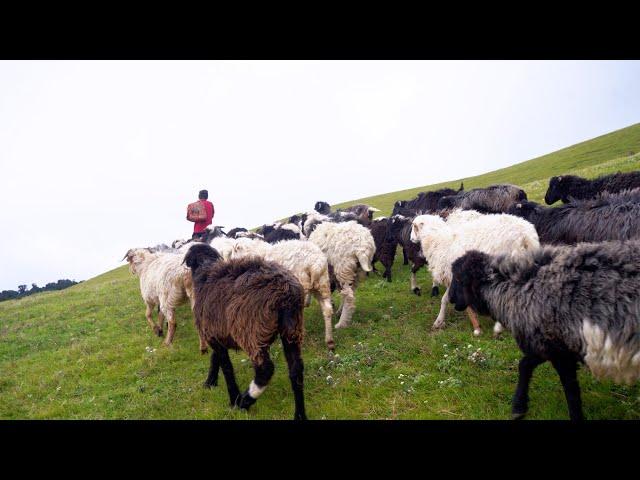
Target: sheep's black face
447	202
200	255
554	192
526	210
398	206
469	272
322	207
394	226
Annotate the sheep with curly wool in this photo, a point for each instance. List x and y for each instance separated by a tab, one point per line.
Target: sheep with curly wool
443	242
562	304
309	265
164	282
349	248
246	304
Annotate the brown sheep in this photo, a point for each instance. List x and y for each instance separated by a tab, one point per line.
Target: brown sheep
245	304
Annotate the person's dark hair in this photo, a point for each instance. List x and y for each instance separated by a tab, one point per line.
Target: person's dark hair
203	194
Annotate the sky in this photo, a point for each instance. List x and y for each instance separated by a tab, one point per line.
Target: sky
97	157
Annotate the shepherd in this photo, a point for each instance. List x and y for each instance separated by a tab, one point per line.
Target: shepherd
201	213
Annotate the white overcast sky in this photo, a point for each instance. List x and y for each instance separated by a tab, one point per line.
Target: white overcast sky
97	157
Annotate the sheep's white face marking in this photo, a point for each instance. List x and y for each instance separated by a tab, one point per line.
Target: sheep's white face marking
254	390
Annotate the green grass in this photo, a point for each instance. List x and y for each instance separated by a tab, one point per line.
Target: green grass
87	352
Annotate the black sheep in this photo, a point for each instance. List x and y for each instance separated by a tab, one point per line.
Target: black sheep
609	217
571	187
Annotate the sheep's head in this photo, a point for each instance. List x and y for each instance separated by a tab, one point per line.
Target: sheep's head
469	273
559	188
200	255
526	210
398	206
447	202
322	207
135	257
423	225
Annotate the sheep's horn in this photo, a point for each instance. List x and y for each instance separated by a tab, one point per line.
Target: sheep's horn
126	255
374	209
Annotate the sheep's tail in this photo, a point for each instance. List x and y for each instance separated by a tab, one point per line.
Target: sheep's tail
365	262
290	324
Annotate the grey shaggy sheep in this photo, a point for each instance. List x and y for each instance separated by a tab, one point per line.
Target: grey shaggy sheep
564	305
609	217
493	199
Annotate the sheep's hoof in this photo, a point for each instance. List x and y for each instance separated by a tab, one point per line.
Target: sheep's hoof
435	291
417	291
300	416
497	335
210	385
203	351
245	400
331	345
341	325
477	332
518	415
437	325
158	331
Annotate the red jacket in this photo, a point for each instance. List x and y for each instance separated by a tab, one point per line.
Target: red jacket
200	226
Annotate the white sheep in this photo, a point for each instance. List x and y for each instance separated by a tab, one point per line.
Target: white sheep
443	242
164	281
308	264
349	248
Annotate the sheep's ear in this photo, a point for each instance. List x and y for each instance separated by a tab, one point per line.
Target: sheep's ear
518	205
126	255
559	179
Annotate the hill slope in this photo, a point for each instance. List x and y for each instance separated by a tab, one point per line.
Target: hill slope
87	352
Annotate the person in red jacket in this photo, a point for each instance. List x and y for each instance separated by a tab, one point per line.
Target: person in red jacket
199	227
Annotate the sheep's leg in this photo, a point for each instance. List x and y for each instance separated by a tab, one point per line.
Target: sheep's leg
474	321
435	291
387	272
567	369
347	306
161	320
520	402
263	369
497	329
415	288
439	323
327	313
171	327
307	300
214	368
149	316
405	258
227	370
296	371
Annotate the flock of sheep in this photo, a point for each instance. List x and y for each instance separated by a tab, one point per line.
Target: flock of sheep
564	281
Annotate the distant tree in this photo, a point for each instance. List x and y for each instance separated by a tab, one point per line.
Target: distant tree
23	292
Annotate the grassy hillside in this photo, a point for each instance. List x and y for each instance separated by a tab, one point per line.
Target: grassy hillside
87	352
